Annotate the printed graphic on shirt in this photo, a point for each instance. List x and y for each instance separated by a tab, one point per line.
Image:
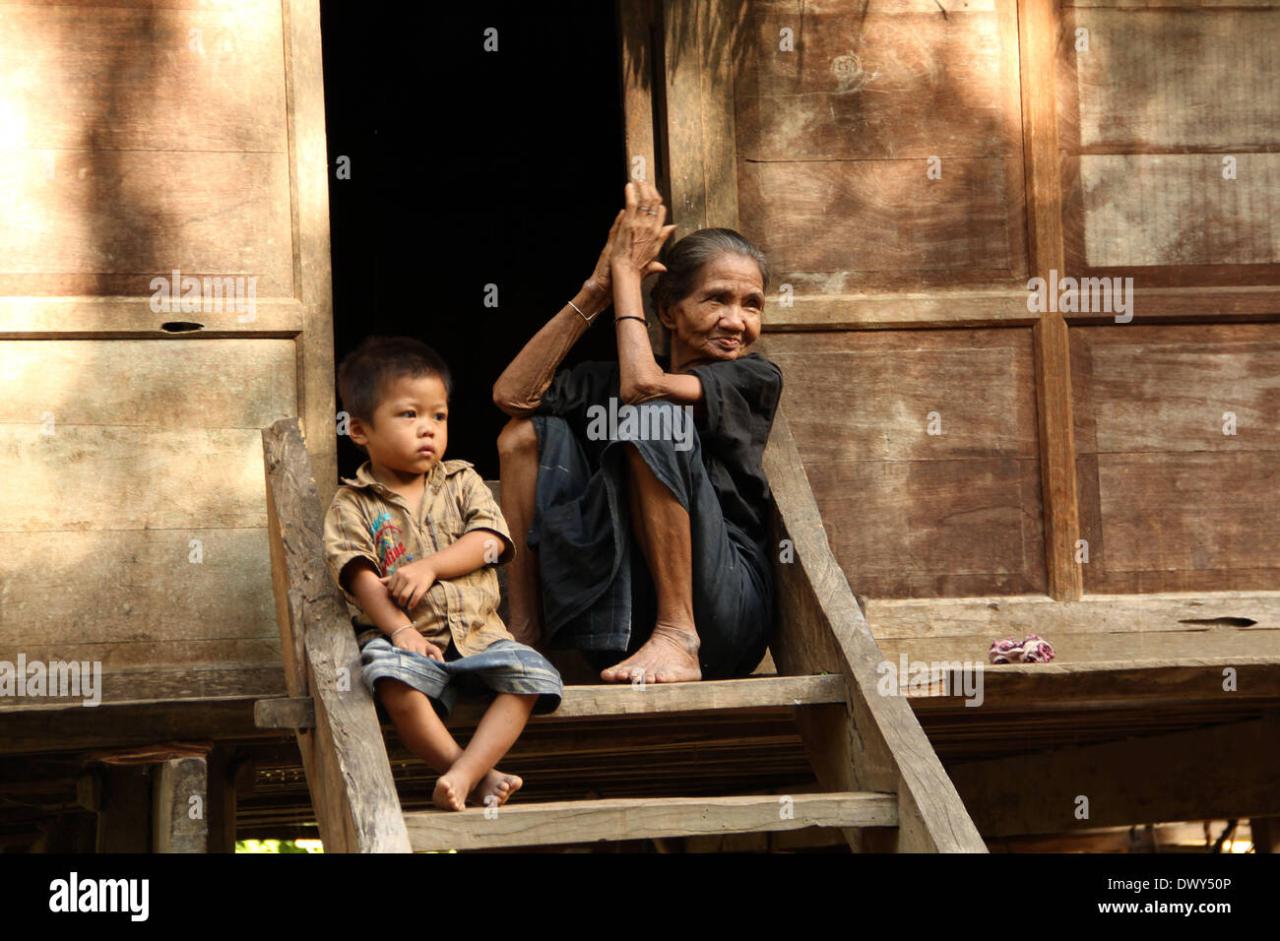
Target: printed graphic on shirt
389	543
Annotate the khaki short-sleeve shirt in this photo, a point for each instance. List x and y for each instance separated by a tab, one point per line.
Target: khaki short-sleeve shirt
370	521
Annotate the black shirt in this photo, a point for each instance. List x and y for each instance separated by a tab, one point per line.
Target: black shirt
740	398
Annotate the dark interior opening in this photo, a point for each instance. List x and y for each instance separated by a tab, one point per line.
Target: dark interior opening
469	168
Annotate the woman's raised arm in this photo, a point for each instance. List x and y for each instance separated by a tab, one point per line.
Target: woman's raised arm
635	248
520	387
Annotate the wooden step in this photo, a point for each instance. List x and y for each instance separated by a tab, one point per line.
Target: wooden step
636	818
621	699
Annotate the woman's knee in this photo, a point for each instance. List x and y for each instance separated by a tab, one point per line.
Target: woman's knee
518	438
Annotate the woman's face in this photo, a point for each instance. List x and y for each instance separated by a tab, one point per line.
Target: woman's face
720	318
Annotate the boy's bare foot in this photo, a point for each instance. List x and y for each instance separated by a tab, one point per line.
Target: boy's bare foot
670	655
498	783
451	791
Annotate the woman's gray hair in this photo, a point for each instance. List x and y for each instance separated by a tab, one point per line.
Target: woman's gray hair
686	257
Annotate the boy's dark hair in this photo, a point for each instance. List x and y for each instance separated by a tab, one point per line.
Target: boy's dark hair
378	360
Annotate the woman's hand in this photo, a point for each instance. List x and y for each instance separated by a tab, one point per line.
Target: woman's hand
640	232
410	583
601	280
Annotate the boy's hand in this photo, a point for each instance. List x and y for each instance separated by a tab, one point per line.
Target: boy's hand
412	640
409	584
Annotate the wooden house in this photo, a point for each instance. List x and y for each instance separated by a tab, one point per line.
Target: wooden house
963	453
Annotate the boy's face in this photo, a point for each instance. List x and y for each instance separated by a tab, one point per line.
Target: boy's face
410	425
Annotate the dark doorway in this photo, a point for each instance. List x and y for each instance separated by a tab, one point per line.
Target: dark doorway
469	168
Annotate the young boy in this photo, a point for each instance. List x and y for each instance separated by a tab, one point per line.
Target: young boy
412	541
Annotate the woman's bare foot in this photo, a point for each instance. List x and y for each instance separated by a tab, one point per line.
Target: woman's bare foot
451	790
670	655
497	783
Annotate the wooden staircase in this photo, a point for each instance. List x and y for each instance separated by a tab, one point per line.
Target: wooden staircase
883	785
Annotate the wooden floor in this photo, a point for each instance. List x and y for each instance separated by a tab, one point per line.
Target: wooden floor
747	752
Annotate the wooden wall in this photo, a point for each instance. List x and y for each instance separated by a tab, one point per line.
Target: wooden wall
137	138
960	444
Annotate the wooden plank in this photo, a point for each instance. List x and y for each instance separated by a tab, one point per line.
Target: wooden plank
1100	614
159	684
934	528
1145	210
1144	689
637	24
1168	388
106	318
1008	307
297	712
872	80
1169	4
1161	82
852	115
95	476
870	397
933	449
657	698
142	384
1227	771
109	226
345	756
1040	36
833	226
178	76
644	818
37	731
1153	406
222	577
180	789
309	204
1209	645
600	701
644	82
821	627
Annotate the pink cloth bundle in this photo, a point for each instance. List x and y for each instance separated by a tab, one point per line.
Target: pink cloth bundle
1032	649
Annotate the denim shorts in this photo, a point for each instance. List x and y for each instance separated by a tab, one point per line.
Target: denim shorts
505	666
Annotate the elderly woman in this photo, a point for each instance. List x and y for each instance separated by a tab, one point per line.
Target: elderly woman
649	548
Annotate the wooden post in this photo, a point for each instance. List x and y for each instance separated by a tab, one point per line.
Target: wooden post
180	788
348	772
879	744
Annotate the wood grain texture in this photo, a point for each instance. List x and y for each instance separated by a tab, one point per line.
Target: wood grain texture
1041	39
643	818
957	512
180	791
86	317
1205	645
211	78
141	461
877	741
1101	614
309	202
345	756
93	226
1160	81
1149	112
1169	502
835	134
